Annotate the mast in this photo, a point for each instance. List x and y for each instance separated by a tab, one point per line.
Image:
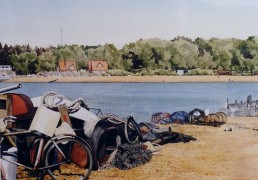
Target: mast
61	36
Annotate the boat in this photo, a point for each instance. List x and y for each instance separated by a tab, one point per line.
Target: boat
4	77
53	81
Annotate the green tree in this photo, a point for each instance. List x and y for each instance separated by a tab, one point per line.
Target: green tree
79	56
112	56
46	62
65	53
25	63
188	53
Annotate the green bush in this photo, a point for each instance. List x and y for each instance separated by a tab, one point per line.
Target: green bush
163	72
198	71
117	72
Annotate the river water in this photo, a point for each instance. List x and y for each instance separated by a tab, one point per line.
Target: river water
144	99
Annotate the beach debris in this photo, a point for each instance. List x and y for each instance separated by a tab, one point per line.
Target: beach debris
228	129
109	133
113	132
129	156
197	116
216	119
180	117
163	135
161	118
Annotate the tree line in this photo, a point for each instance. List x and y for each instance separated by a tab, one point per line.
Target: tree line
145	56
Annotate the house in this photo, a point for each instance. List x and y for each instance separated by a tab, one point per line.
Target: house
68	65
182	71
5	68
98	67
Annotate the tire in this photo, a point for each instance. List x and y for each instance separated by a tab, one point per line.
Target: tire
135	128
72	161
99	142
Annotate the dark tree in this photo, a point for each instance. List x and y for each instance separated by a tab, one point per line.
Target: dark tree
245	50
137	63
156	56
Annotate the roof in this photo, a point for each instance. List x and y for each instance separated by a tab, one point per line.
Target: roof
97	66
68	65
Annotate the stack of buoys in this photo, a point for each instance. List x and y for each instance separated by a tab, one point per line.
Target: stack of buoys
216	119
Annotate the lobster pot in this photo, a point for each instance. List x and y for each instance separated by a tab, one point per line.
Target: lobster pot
45	121
9	154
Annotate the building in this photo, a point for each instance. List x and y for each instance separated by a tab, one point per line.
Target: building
255	73
68	65
224	72
98	67
242	109
6	70
181	71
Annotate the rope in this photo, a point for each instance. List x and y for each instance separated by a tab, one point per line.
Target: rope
51	100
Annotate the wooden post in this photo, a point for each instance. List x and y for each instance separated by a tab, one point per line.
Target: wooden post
3	106
64	114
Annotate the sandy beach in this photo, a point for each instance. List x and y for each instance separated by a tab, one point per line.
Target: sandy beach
165	79
216	154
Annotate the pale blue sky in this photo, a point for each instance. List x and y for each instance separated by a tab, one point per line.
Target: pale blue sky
93	22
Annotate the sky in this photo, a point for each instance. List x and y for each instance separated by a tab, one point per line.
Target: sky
46	23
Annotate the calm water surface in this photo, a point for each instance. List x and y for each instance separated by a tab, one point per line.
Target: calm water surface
144	99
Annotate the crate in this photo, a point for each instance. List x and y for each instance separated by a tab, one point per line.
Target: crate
45	121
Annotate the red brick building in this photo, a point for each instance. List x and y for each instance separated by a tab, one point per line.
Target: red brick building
98	67
68	65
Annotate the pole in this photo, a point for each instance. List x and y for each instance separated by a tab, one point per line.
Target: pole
61	36
17	86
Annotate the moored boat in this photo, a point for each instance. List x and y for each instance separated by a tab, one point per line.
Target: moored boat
4	77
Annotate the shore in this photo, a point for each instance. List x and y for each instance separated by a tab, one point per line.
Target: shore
155	79
216	154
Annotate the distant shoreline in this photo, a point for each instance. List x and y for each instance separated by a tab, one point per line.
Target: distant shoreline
120	79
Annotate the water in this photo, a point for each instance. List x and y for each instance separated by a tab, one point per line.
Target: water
144	99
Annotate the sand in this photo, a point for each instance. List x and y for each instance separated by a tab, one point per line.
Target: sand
138	79
216	154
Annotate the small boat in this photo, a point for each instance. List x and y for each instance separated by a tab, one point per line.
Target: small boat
52	81
4	77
